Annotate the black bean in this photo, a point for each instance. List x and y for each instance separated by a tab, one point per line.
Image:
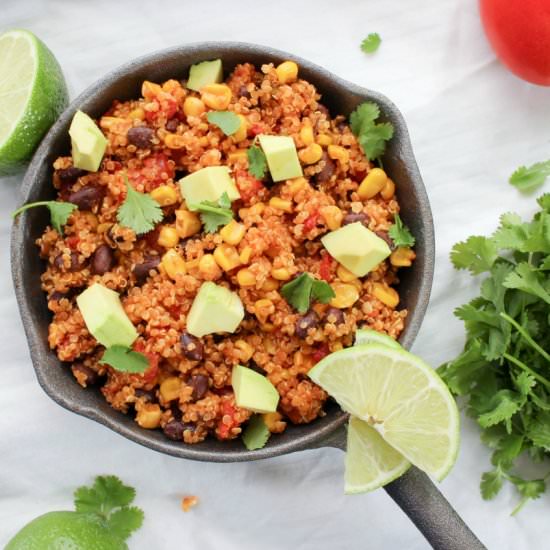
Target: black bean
102	260
142	270
70	175
191	347
76	263
140	136
304	323
352	217
328	170
175	428
171	125
56	296
243	92
89	376
199	383
384	235
334	315
87	198
175	410
148	396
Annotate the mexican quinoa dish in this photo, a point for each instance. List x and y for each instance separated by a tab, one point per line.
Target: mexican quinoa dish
212	240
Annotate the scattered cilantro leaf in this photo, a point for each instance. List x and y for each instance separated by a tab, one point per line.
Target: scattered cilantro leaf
371	136
124	359
257	162
304	289
477	254
124	521
371	43
214	215
491	483
59	212
139	211
321	291
256	434
227	121
529	178
400	233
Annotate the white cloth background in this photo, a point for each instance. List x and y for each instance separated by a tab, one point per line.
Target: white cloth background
471	124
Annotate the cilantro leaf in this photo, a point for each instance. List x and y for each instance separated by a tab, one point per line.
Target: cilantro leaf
298	292
139	211
502	407
257	162
528	178
213	214
371	136
400	233
525	382
322	291
508	450
539	430
526	278
256	434
477	254
491	484
371	43
124	359
59	212
227	121
124	521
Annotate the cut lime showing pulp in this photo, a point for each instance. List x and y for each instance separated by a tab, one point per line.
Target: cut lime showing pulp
369	336
32	95
370	462
401	397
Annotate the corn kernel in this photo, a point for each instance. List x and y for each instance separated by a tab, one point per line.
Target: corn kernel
187	223
245	277
245	255
311	154
287	72
333	216
148	416
281	274
344	274
336	346
257	209
173	264
216	96
174	141
227	257
372	184
138	114
272	420
209	268
241	133
388	191
246	351
193	106
346	295
165	195
280	204
385	294
263	308
237	156
402	257
149	90
233	232
192	264
168	237
306	134
270	284
170	388
324	140
297	185
338	153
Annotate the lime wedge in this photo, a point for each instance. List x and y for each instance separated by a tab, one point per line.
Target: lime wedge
398	395
32	95
370	462
369	336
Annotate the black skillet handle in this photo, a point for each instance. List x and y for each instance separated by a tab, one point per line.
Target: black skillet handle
426	507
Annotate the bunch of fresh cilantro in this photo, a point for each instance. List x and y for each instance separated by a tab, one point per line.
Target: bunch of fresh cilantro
504	371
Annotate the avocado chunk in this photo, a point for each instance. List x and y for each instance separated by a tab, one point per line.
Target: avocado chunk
202	74
214	309
253	391
356	248
88	142
208	184
282	158
105	317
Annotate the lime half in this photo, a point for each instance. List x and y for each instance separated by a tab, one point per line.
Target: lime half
399	396
32	95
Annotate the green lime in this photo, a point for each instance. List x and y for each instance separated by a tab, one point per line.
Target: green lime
369	336
66	531
401	397
370	462
32	95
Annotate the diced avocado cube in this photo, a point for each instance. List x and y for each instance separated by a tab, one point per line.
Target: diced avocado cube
356	248
253	391
105	317
208	184
88	142
282	158
202	74
214	309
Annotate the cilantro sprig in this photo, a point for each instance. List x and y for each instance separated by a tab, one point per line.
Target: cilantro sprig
257	162
59	212
528	178
214	214
139	211
124	359
227	121
256	434
371	43
304	289
372	136
504	371
400	233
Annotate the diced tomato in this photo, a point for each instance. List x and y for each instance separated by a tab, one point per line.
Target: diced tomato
318	354
248	185
254	130
151	116
311	222
223	431
151	373
72	242
325	268
155	171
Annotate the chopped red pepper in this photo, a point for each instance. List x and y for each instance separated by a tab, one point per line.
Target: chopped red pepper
248	185
254	130
311	222
318	354
151	373
223	431
325	268
72	242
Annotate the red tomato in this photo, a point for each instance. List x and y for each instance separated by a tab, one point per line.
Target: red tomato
519	32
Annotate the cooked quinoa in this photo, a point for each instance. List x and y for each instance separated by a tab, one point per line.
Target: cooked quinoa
159	138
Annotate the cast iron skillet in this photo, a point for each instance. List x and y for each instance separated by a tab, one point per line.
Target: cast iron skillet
414	492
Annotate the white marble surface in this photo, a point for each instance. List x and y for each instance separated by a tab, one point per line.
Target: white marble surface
471	124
